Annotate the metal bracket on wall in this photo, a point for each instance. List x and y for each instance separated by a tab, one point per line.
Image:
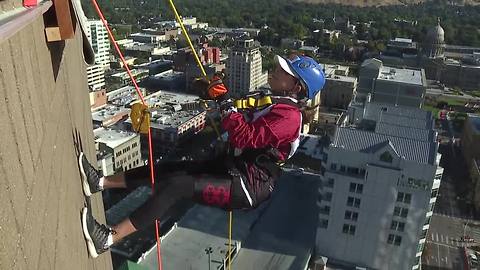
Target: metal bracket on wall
58	22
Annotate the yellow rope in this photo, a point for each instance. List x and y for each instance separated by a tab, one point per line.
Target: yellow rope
179	20
230	239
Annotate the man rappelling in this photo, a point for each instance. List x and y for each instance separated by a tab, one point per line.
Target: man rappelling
263	132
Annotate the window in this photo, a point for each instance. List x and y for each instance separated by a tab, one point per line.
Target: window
357	188
431	206
427	221
323	223
404	197
353	202
398	240
328	196
434	193
400	212
342	168
333	166
424	234
325	210
350	215
397	226
386	157
348	229
330	182
353	170
394	239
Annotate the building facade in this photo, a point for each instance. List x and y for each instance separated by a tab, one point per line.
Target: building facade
339	88
380	179
97	36
244	68
117	150
470	143
396	86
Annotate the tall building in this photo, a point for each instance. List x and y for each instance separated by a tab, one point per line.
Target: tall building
380	180
97	36
244	68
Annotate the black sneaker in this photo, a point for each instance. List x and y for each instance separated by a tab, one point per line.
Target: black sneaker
90	176
95	233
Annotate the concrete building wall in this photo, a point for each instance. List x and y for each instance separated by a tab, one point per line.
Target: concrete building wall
98	99
338	93
369	246
45	121
397	93
128	155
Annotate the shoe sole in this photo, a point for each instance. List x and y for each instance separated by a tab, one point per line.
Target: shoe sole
86	186
91	246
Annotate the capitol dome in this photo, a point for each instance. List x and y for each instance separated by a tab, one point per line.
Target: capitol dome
436	35
435	42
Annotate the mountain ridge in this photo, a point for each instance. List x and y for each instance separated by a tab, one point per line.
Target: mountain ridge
369	3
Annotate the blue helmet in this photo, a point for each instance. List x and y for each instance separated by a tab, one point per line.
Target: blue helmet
308	71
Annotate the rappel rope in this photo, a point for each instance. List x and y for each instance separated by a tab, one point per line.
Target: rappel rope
152	175
197	59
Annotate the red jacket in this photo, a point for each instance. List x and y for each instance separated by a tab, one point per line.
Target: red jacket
278	128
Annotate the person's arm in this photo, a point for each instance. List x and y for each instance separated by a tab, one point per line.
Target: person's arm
279	125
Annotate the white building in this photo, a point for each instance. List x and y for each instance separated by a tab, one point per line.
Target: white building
380	180
117	150
244	68
97	36
96	77
397	86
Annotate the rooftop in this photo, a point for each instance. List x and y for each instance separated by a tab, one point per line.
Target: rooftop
406	76
278	235
168	109
108	112
408	129
365	141
111	137
123	96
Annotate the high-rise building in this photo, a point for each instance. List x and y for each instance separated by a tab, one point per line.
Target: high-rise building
97	36
244	68
380	180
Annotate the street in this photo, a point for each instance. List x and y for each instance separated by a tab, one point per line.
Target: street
453	218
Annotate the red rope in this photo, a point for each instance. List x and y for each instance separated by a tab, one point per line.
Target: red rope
150	156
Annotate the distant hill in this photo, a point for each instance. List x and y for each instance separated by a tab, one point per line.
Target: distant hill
365	3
